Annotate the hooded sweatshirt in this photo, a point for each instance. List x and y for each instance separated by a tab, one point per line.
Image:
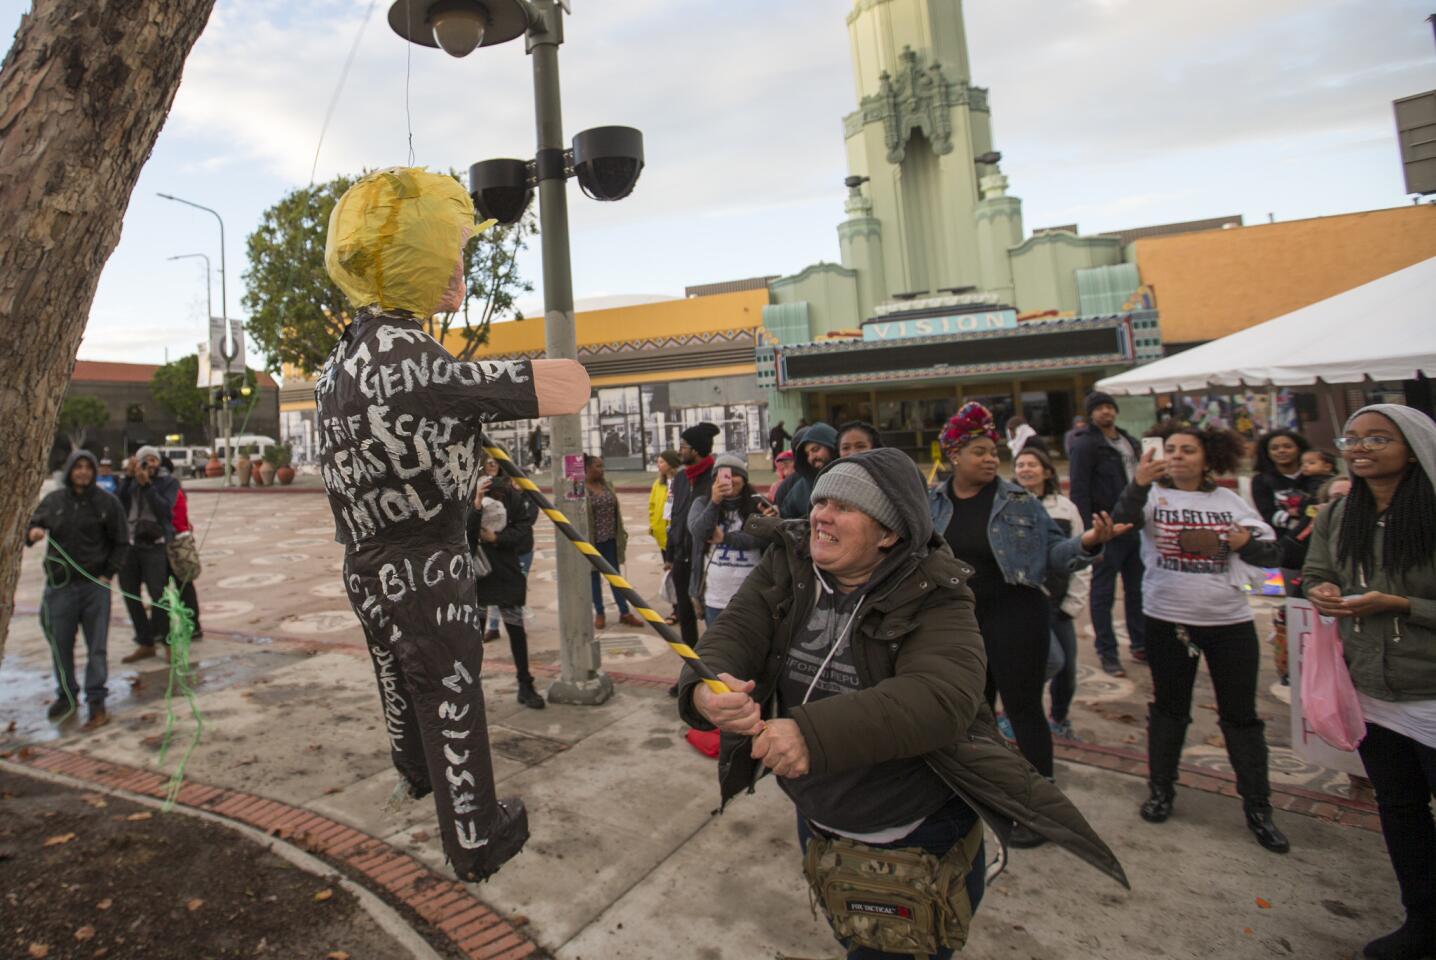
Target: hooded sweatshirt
89	526
800	487
884	801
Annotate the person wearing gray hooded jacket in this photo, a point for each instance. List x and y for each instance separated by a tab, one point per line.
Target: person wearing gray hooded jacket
86	529
1372	565
856	675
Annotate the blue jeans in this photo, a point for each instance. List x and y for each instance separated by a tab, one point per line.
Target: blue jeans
526	560
608	549
79	604
1064	685
710	614
937	835
1120	557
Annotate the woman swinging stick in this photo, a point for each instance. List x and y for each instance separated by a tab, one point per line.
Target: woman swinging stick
399	425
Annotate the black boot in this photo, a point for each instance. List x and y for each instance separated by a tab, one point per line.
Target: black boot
1165	735
1413	940
519	647
529	697
1260	823
1158	806
1246	748
507	837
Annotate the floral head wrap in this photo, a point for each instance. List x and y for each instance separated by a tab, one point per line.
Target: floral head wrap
971	422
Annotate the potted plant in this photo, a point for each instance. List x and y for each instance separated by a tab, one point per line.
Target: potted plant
283	464
244	467
214	468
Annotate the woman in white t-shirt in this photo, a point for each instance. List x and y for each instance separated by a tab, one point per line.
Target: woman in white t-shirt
1066	592
1201	544
716	526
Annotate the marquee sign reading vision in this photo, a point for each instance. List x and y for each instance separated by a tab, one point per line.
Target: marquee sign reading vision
979	322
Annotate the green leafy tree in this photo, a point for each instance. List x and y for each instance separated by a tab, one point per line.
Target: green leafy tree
296	312
174	389
79	415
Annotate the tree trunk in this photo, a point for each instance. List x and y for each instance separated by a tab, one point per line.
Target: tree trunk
84	92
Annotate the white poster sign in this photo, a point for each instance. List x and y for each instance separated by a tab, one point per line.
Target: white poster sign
1300	620
217	346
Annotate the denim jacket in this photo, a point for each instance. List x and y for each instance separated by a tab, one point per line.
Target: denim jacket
1026	541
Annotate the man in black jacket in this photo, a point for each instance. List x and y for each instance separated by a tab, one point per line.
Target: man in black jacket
1104	457
148	496
693	483
88	524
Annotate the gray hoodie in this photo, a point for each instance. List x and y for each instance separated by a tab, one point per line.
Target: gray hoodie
1415	426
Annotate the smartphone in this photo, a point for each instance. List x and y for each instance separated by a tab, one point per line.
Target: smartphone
1155	444
725	474
761	500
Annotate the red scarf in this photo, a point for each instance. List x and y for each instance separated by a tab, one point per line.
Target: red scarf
699	468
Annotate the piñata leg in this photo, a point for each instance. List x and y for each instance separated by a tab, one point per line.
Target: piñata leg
436	637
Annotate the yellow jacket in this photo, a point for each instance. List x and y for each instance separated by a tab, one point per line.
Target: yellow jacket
657	501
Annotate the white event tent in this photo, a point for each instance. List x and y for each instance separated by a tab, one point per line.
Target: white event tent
1382	330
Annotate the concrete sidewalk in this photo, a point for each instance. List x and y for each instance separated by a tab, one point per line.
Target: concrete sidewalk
628	859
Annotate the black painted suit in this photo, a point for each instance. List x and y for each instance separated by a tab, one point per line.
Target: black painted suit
399	422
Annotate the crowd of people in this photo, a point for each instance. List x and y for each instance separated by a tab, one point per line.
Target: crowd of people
881	635
139	536
944	622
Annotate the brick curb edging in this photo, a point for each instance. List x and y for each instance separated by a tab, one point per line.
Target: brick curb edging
445	905
1299	800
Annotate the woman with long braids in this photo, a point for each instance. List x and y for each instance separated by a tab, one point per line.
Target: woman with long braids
1193	534
1372	565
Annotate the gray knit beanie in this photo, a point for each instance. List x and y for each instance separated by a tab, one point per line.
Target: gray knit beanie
733	462
854	486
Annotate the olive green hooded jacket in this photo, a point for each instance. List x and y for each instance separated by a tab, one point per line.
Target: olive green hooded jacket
922	666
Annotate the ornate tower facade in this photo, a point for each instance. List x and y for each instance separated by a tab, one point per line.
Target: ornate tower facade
916	135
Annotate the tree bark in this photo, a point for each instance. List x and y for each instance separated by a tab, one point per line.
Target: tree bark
84	92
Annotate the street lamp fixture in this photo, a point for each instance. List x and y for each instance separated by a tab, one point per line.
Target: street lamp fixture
606	161
459	27
502	189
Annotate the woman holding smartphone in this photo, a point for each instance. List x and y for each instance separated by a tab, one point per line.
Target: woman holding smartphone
1372	565
1197	542
716	527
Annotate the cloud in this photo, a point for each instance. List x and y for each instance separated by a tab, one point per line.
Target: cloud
1114	113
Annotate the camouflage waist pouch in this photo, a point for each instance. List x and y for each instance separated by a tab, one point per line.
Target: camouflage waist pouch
901	900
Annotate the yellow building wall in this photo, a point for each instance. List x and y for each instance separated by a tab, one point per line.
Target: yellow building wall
1216	282
648	321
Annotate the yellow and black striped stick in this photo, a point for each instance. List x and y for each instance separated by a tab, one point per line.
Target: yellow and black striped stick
653	617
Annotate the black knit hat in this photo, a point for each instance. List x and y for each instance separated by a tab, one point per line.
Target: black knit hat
700	437
1096	398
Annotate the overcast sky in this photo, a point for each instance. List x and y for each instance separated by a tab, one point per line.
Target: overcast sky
1109	113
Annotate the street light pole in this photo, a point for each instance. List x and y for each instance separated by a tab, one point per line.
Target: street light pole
607	162
227	344
208	315
208	283
580	679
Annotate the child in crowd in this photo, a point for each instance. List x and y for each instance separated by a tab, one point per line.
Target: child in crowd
1318	463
